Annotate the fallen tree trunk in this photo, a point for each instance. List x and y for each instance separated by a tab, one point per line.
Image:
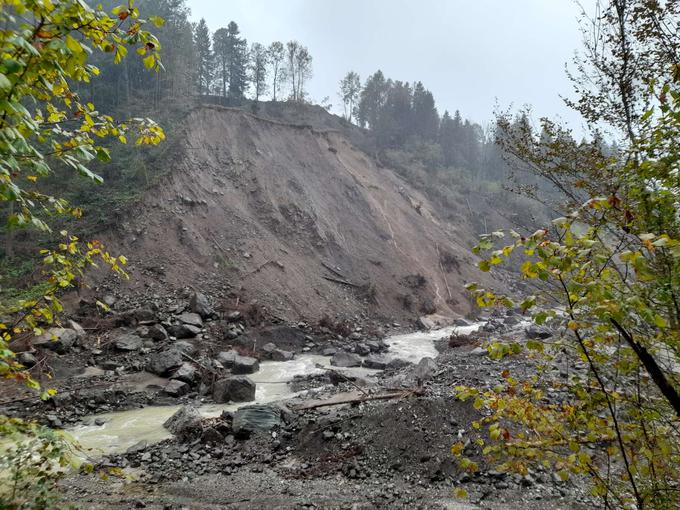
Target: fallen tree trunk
342	282
355	398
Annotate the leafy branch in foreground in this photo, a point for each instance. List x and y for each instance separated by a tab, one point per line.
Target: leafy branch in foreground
44	48
609	273
44	124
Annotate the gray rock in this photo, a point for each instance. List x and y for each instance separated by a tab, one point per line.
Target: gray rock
281	355
232	332
460	322
375	362
199	304
355	336
192	319
158	332
185	419
162	363
27	359
186	372
176	388
142	331
238	388
128	342
345	359
397	363
511	320
185	347
144	315
255	418
362	349
479	351
227	358
425	369
137	447
184	330
373	346
268	349
329	351
80	332
537	332
234	316
245	365
59	340
211	435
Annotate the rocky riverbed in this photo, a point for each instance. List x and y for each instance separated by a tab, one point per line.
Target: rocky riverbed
190	408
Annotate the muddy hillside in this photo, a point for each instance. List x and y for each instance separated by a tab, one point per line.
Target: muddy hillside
291	213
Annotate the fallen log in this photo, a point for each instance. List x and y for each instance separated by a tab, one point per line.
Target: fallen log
342	282
354	398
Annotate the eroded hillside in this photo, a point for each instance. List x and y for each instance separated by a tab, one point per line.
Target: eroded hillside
297	218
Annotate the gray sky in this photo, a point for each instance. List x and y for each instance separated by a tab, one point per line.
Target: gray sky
472	55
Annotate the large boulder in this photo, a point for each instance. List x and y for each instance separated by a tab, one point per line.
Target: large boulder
268	349
227	358
184	330
157	332
199	304
192	319
537	332
186	373
27	359
375	362
144	315
425	369
164	362
59	340
255	418
176	388
128	342
238	388
281	355
184	347
245	365
183	421
345	359
362	349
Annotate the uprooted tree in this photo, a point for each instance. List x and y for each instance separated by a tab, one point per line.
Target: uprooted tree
607	272
44	125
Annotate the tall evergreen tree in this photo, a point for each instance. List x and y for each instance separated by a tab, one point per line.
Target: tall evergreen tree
372	100
232	58
238	63
205	62
425	115
221	49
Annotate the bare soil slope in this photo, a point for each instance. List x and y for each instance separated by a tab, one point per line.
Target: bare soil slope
297	218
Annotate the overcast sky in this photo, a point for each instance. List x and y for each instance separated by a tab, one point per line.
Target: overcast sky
472	55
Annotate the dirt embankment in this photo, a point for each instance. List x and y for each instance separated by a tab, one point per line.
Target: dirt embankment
296	218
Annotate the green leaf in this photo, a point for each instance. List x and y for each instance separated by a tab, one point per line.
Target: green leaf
5	84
